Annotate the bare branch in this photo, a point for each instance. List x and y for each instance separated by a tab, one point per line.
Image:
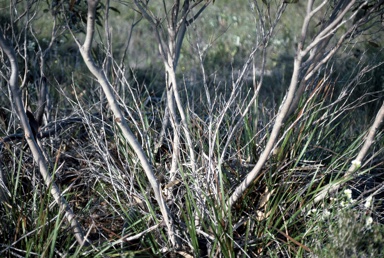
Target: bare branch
164	50
120	119
37	154
283	111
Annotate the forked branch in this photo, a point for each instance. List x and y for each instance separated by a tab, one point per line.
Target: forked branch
291	95
85	51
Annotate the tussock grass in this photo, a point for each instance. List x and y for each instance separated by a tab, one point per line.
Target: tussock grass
100	175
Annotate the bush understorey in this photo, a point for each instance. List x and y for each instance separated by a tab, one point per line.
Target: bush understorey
191	129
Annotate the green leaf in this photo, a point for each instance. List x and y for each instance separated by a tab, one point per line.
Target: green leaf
114	9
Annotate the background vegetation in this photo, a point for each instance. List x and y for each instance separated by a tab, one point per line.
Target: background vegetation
236	65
